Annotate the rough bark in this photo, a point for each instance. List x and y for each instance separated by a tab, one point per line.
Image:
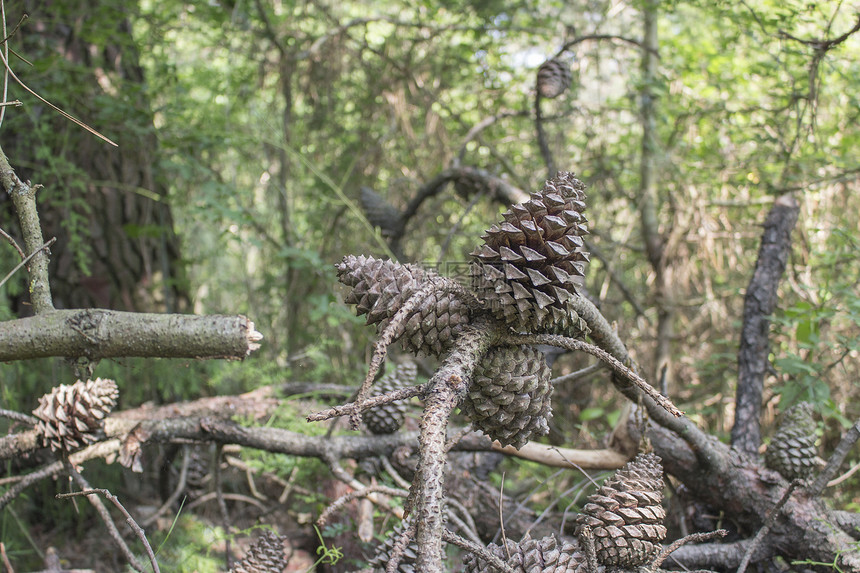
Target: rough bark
759	303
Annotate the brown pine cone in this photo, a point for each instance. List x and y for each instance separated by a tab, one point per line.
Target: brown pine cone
380	288
509	398
70	416
626	515
528	268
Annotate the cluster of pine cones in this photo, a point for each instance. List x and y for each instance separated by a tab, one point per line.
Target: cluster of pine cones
524	275
626	519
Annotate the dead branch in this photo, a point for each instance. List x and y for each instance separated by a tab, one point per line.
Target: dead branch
108	520
759	303
842	449
95	333
24	198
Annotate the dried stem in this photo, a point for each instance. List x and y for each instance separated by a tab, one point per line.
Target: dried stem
482	552
368	403
768	523
364	492
615	364
90	492
842	449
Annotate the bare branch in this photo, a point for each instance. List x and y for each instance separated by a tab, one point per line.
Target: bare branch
839	453
768	523
107	519
96	333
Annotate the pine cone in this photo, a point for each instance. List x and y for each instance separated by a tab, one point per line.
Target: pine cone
383	552
388	418
381	287
509	398
380	213
546	555
70	416
553	78
266	555
527	269
792	449
625	514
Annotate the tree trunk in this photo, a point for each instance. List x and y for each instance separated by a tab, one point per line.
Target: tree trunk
106	205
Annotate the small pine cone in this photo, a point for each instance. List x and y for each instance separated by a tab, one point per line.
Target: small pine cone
553	78
266	555
529	265
384	550
792	449
388	418
380	288
546	555
70	416
625	514
380	213
509	397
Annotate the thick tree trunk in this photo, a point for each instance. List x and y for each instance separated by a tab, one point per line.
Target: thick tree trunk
106	205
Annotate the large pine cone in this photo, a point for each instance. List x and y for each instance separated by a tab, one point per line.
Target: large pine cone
792	449
553	78
509	397
71	416
625	514
388	418
266	555
528	267
546	555
381	287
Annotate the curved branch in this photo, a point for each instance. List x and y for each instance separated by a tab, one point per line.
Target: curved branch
95	333
499	189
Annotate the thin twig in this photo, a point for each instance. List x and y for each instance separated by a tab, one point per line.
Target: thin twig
19	417
5	557
467	523
483	553
100	508
833	464
12	242
364	492
845	476
222	505
581	373
367	403
27	260
692	538
616	365
768	523
49	104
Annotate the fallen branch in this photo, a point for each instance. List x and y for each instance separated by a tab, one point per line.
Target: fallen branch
95	334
